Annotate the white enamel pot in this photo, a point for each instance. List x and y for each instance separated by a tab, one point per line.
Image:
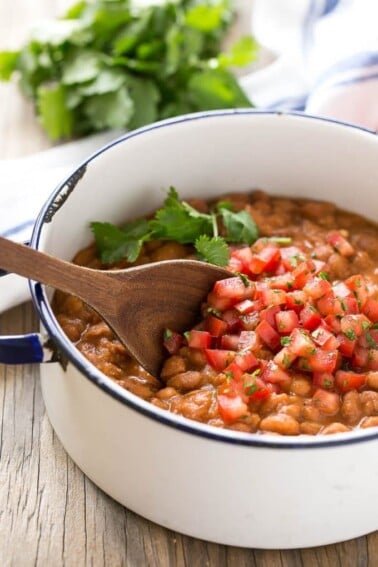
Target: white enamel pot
251	490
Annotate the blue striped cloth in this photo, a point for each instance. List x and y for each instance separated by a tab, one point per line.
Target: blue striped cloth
323	60
326	58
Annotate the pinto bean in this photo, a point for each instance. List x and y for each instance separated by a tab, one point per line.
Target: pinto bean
372	380
369	422
173	365
369	401
351	408
168	251
310	428
185	381
301	386
280	423
335	428
166	393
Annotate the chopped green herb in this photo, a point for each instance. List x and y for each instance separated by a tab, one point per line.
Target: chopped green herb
176	220
371	342
350	334
323	276
246	281
285	341
327	383
167	334
119	64
281	240
213	250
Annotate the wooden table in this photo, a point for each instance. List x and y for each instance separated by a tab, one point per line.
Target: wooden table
50	513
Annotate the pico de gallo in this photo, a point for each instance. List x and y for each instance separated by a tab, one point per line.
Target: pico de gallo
287	345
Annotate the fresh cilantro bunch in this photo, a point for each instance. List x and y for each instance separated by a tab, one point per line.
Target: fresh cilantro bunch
178	221
109	64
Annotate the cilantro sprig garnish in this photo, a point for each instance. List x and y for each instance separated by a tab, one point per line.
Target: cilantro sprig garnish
117	64
178	221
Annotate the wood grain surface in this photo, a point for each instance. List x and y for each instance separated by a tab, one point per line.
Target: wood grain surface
50	513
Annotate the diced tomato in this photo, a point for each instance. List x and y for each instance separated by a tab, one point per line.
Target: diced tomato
322	360
309	317
346	346
316	287
296	300
324	380
275	374
333	323
319	265
273	297
235	265
248	340
369	339
218	358
346	380
330	305
247	306
286	321
229	342
233	373
354	325
215	326
350	305
231	408
268	335
269	314
172	341
285	281
321	335
360	357
250	321
357	284
232	318
199	339
370	308
341	290
373	359
266	260
340	243
303	273
327	402
284	358
246	361
255	388
301	343
234	288
244	257
219	303
291	257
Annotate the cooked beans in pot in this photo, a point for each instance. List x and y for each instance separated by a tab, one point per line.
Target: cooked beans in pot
289	347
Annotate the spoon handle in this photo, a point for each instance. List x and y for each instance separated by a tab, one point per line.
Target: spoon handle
41	267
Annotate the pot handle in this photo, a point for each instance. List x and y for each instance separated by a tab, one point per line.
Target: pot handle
21	349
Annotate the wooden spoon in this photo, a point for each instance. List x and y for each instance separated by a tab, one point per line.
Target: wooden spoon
137	303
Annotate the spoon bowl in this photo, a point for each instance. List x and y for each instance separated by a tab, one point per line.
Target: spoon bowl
138	303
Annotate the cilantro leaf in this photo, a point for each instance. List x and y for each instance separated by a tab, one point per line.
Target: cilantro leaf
8	63
178	221
213	250
110	110
216	88
240	226
242	52
114	243
55	116
81	67
124	64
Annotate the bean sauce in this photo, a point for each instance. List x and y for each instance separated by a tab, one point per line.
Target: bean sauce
188	384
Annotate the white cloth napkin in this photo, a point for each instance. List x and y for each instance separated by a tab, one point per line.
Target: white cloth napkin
325	62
